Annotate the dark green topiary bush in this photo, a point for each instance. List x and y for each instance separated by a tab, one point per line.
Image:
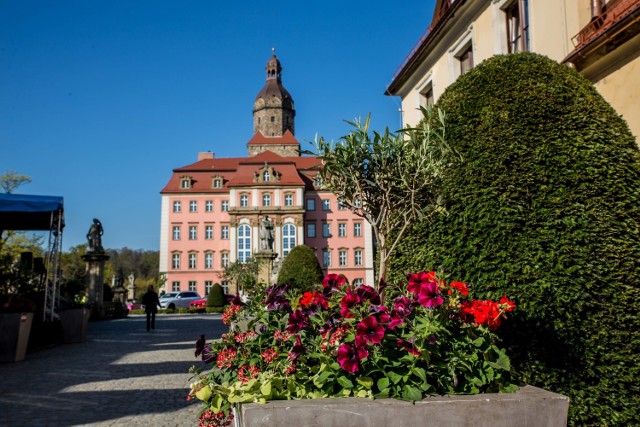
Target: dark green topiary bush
545	208
300	268
216	296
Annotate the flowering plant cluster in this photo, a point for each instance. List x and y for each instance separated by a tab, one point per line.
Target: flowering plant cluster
425	337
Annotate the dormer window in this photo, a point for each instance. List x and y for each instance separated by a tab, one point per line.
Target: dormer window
265	176
185	182
217	182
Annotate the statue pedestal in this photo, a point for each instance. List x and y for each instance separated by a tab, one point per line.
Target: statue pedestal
95	282
265	266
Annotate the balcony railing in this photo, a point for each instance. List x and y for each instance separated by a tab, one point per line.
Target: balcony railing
613	12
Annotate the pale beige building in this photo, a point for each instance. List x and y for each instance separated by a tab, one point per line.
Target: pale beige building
600	38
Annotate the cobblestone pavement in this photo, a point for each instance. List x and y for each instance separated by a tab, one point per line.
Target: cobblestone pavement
121	376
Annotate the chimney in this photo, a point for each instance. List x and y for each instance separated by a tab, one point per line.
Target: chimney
205	155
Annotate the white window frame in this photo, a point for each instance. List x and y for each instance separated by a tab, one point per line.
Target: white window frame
177	206
326	257
175	261
208	260
288	238
357	257
342	229
326	204
175	286
193	285
224	259
244	200
459	47
193	261
342	258
175	232
193	206
326	229
244	241
266	199
288	199
357	229
193	232
208	232
224	206
208	206
224	232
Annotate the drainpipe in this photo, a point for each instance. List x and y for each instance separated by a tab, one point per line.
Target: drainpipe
596	8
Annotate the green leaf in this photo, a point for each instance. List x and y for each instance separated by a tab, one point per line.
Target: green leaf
383	383
411	393
366	382
319	380
420	373
345	382
395	378
265	388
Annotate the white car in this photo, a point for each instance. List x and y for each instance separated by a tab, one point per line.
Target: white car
179	299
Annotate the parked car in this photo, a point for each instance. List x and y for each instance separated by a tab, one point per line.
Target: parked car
169	295
180	300
201	304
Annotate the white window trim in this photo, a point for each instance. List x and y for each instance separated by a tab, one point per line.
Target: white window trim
459	47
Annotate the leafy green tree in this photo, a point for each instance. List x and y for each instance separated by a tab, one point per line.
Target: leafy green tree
243	274
545	209
389	179
216	296
300	268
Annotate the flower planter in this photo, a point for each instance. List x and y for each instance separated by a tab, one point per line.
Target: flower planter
528	407
74	325
14	335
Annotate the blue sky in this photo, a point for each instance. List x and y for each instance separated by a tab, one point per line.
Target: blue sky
100	100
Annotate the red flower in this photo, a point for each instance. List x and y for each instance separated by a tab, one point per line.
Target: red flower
482	312
429	295
369	330
349	357
269	355
313	299
506	305
460	287
246	373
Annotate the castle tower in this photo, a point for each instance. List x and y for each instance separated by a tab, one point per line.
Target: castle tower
273	112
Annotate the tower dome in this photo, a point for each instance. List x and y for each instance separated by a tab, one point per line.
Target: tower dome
273	110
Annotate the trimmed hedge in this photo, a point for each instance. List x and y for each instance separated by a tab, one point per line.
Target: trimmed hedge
216	296
545	208
300	268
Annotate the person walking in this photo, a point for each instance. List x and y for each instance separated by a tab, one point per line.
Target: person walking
151	303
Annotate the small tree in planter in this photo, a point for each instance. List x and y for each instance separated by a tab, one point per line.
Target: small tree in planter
389	179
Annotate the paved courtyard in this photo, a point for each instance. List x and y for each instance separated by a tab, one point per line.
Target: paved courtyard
121	376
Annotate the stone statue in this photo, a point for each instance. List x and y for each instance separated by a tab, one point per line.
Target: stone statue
266	234
94	236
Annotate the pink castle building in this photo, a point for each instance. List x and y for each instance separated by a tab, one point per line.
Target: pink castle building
212	209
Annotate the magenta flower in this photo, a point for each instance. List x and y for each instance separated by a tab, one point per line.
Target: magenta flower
349	357
298	320
367	293
370	330
429	295
419	280
333	282
349	300
396	320
409	346
296	350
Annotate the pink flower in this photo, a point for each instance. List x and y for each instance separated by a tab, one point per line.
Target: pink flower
333	282
349	357
369	330
367	293
429	295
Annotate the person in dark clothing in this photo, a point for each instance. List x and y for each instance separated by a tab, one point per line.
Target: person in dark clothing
151	303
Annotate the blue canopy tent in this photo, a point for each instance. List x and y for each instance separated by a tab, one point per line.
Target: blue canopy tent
39	213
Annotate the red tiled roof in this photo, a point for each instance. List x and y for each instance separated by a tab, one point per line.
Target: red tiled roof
286	139
289	175
239	171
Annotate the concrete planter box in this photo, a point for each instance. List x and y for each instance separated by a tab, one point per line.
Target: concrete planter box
15	329
74	324
529	407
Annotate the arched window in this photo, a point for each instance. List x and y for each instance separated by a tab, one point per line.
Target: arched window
244	243
288	238
265	176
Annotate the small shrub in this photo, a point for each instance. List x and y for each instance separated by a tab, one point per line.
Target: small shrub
216	296
300	268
